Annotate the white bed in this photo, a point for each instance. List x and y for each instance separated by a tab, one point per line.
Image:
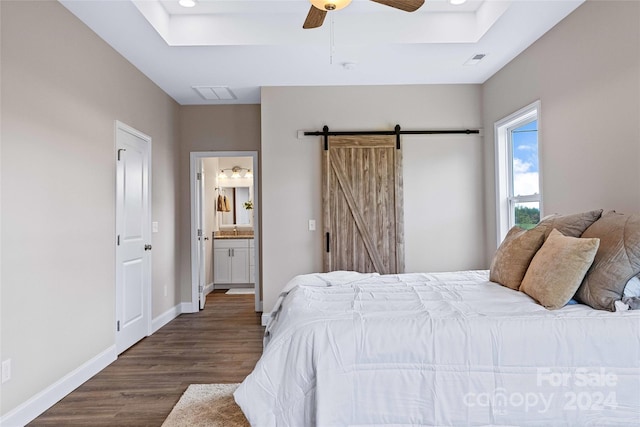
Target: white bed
351	349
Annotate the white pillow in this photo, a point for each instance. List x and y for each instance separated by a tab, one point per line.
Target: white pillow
632	288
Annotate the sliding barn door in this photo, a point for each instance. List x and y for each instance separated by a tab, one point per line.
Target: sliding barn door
362	201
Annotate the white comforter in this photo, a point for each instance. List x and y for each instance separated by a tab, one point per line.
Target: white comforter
350	349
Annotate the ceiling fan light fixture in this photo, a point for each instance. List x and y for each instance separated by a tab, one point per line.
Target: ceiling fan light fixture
330	4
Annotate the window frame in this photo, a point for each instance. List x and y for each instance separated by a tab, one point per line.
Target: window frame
505	200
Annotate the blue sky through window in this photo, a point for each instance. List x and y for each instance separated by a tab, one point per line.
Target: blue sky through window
525	159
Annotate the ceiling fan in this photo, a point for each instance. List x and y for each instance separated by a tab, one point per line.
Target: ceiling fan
319	9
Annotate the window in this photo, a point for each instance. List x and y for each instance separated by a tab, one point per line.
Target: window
519	199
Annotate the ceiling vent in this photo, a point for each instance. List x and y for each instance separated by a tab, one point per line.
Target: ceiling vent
215	93
475	59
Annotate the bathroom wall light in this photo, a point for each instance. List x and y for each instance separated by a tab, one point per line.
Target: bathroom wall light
236	172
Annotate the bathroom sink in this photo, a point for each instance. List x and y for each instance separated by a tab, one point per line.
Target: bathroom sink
234	236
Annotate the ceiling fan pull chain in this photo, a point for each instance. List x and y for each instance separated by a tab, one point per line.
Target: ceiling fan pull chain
332	47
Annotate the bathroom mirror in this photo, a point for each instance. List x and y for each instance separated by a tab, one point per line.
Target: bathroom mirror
237	215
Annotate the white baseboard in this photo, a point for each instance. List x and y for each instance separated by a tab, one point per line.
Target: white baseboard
166	317
265	318
208	289
32	408
187	307
44	400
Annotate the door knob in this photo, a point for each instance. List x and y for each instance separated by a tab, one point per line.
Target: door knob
206	238
147	247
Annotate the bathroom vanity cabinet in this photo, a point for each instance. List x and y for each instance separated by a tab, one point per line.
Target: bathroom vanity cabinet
232	261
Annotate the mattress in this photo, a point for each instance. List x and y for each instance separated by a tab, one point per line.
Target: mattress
454	349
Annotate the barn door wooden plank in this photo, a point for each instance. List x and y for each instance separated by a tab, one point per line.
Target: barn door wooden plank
361	225
362	203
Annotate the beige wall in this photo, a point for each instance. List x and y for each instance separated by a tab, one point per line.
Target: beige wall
63	87
62	90
586	73
209	128
444	213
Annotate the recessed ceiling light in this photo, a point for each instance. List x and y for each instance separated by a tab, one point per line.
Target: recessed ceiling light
457	2
187	3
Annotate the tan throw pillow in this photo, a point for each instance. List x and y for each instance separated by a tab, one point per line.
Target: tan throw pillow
556	271
569	225
617	260
512	258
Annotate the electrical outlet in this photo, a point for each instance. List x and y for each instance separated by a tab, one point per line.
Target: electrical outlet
6	370
312	225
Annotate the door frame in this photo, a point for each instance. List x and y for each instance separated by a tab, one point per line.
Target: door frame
198	213
193	162
120	126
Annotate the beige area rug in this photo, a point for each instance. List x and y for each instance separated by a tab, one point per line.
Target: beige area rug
209	405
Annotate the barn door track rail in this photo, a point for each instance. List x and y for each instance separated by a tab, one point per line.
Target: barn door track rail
397	131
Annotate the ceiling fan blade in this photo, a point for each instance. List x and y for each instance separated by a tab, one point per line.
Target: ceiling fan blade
315	18
406	5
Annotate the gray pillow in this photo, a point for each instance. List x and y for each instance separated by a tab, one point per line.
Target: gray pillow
617	260
632	302
632	288
569	225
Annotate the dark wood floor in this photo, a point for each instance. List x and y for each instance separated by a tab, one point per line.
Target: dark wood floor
221	344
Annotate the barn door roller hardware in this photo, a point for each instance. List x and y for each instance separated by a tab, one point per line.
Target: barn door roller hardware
397	131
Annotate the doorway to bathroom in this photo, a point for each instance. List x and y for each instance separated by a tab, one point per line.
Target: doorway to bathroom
224	225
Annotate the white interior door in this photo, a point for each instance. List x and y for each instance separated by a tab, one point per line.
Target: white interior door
133	240
200	233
